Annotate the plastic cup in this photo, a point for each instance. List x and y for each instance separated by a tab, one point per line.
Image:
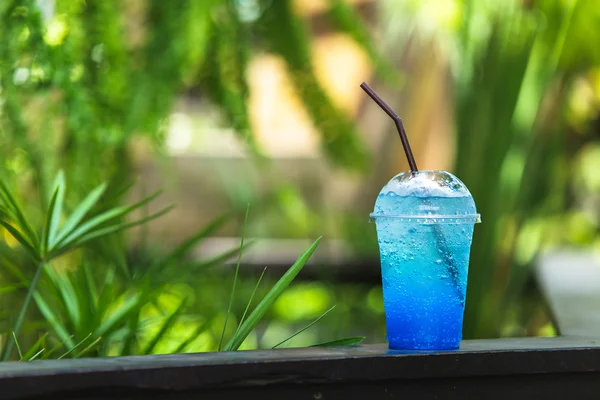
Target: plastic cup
425	227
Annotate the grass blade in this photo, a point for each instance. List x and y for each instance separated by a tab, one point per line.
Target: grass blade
88	348
270	298
18	346
74	347
305	328
80	212
40	343
55	211
349	341
250	301
56	347
235	277
168	324
33	357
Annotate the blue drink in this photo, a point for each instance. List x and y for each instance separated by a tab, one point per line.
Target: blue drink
424	228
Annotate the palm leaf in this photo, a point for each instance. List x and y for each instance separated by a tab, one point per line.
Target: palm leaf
12	206
55	210
79	213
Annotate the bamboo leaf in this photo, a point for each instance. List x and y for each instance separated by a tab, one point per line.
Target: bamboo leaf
349	341
305	328
270	298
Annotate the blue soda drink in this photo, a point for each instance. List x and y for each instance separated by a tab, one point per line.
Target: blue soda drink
424	227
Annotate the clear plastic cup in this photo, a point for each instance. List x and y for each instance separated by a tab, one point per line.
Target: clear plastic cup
425	227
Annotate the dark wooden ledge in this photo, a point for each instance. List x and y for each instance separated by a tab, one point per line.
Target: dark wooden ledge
527	368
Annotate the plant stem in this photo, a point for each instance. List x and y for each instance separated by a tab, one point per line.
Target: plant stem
17	328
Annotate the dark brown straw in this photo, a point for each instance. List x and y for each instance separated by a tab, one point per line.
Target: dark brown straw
397	121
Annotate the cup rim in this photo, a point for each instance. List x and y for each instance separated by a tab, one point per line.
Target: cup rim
429	219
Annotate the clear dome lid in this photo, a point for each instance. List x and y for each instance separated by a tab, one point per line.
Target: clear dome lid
426	197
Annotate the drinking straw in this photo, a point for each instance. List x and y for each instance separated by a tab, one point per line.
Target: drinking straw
399	125
452	267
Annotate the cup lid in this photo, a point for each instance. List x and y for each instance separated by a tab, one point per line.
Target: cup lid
426	197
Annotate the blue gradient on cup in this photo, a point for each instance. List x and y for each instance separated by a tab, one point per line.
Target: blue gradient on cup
424	266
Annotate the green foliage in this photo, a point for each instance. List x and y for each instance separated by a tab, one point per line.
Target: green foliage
97	311
93	78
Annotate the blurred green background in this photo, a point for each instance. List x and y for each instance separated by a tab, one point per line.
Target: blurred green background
225	103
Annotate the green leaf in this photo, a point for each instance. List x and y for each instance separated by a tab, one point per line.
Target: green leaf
106	296
180	251
12	206
250	301
23	241
120	227
217	260
305	328
24	307
118	317
75	347
66	291
88	348
45	242
104	217
56	347
79	213
349	341
55	211
168	324
40	343
53	320
193	336
33	357
18	346
270	298
235	277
